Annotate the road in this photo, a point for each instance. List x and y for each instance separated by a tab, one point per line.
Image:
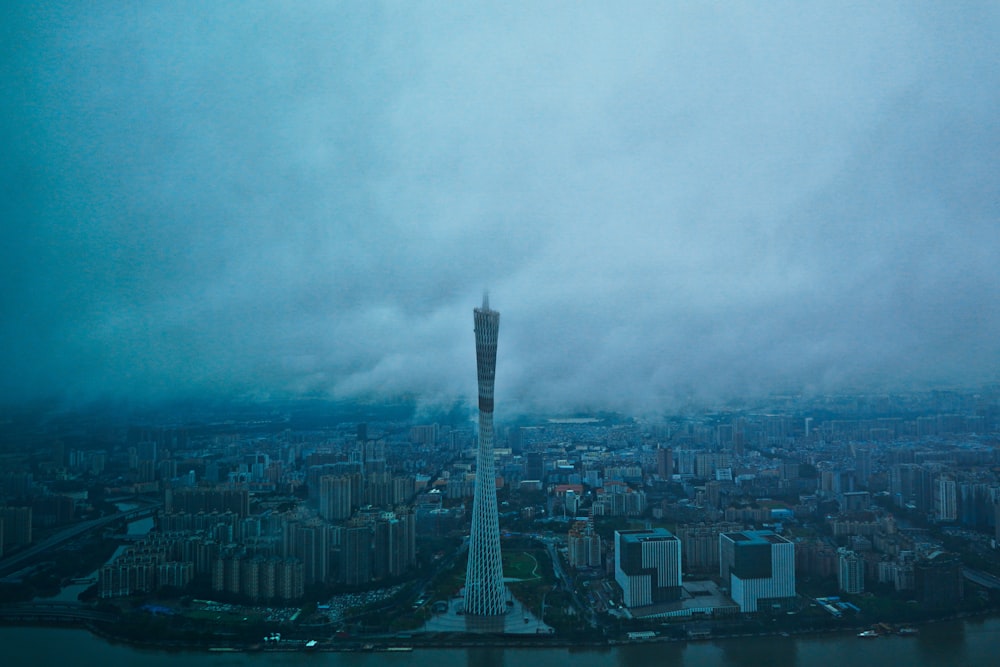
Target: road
53	612
982	578
12	562
565	582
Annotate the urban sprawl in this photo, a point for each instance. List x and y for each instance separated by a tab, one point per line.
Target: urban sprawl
301	520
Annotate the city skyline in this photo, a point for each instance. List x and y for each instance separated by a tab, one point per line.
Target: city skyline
346	535
701	202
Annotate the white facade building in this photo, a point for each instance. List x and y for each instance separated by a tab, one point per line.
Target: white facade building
946	499
759	567
648	566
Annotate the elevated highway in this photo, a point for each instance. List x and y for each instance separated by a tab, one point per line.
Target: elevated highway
13	561
984	579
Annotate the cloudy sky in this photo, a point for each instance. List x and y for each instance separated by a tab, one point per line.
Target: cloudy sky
665	200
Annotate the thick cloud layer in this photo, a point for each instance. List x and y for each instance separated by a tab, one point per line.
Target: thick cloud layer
666	201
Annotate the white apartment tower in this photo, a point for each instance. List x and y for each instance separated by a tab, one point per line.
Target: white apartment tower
946	499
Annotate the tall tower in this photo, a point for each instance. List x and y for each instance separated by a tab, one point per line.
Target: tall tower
485	594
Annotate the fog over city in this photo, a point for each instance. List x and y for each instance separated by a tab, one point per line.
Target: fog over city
666	201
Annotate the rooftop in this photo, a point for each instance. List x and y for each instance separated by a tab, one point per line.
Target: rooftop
646	535
756	536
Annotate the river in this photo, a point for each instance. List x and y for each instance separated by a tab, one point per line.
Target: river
972	643
71	592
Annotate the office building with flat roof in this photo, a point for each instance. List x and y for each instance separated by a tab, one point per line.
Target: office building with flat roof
648	566
758	566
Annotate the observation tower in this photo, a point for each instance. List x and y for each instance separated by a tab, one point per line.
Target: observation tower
485	593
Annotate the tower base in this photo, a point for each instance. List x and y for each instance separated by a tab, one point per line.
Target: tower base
518	620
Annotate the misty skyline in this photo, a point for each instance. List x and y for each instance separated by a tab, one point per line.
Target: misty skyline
665	201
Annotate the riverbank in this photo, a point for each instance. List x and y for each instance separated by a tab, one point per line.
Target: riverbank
970	643
112	631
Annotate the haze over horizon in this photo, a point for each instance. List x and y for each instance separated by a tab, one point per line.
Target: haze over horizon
666	201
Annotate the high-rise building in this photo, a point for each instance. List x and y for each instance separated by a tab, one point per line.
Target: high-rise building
700	544
583	545
910	484
851	571
197	499
759	568
335	499
648	566
863	465
534	465
946	499
356	555
16	527
394	545
485	593
939	580
310	544
665	462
